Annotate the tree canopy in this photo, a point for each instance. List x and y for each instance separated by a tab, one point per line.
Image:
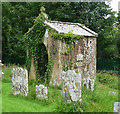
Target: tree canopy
19	17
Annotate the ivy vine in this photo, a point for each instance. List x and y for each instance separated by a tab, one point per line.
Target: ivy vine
34	37
69	39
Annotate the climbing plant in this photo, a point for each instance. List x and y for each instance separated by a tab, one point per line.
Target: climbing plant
69	39
34	38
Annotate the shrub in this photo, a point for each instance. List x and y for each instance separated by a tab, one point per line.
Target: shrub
107	79
66	107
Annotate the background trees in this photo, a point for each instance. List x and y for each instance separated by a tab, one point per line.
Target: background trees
18	17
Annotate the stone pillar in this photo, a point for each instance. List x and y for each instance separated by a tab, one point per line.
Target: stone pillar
32	75
19	81
71	88
41	92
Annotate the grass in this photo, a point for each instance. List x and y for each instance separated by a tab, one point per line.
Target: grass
97	101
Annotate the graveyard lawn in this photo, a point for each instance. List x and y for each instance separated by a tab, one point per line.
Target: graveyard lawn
100	100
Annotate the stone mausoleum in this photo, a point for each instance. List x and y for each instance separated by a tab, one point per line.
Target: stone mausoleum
83	54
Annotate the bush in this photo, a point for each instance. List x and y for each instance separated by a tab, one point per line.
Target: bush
66	107
31	93
107	79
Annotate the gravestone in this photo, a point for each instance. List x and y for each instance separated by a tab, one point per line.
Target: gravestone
117	107
1	73
19	81
112	93
41	92
71	88
88	83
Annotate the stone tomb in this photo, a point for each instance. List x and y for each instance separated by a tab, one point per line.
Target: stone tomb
19	81
41	92
71	89
83	56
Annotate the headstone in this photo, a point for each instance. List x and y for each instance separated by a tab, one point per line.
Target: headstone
71	88
19	81
88	83
1	73
117	107
113	93
41	92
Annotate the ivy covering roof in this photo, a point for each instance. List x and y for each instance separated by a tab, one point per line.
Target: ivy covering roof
66	27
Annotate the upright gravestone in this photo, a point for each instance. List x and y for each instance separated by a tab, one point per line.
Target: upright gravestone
71	89
20	81
117	107
41	92
88	83
1	73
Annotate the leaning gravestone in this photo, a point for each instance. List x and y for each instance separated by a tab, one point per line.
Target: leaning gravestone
71	88
117	107
20	81
41	92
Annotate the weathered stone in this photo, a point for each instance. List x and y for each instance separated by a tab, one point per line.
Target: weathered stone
32	75
113	93
41	92
71	88
117	107
88	83
20	81
1	73
83	55
79	57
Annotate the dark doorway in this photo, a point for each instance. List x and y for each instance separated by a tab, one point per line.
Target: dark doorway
42	61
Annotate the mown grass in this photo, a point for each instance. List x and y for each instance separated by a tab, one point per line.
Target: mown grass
97	101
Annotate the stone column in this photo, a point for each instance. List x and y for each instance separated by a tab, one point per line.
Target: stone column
32	75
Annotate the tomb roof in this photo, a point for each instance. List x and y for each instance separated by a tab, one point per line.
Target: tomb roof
66	27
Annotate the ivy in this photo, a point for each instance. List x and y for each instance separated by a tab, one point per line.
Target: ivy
50	65
34	37
69	39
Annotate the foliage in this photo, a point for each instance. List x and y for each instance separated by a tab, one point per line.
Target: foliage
17	17
97	101
109	80
48	72
72	107
35	37
69	39
98	16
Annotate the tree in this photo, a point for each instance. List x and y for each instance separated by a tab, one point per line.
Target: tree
95	15
17	18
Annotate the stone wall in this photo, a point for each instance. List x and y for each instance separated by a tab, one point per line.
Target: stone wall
19	81
54	51
84	59
71	86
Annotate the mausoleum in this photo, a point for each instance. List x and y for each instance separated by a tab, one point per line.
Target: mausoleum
72	46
